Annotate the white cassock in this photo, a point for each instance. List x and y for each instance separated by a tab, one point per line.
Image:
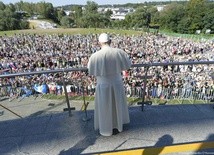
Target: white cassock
111	109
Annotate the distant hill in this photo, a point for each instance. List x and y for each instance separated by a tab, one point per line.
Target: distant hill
132	5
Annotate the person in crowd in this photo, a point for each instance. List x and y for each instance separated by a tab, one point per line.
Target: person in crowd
111	109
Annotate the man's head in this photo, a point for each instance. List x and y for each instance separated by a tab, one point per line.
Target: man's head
104	38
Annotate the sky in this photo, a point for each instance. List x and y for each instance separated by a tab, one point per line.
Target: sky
82	2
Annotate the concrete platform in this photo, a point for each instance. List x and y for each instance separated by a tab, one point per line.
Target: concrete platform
46	129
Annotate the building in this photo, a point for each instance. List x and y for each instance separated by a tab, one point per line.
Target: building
117	13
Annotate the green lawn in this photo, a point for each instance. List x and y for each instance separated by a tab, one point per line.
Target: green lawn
85	31
196	37
71	31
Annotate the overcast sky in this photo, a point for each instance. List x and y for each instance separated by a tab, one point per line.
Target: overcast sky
83	2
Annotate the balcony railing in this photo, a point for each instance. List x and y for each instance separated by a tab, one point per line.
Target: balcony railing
141	91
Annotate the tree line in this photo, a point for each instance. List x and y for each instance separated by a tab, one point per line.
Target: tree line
180	17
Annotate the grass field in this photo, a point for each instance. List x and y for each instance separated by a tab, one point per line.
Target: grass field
196	37
85	31
71	31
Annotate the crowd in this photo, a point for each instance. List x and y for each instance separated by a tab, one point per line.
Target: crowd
36	52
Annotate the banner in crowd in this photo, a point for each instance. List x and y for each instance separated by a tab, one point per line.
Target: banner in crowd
41	88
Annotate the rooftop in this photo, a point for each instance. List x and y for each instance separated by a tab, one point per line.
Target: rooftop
46	129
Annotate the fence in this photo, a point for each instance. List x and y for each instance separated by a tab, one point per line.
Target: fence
145	90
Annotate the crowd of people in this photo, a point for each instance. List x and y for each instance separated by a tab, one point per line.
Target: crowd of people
40	52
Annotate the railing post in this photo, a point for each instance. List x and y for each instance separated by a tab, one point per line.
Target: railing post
66	97
144	89
85	104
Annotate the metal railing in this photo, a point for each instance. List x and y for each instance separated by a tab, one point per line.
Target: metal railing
48	72
145	77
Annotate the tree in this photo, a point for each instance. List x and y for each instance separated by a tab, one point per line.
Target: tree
139	19
104	22
23	24
2	21
10	7
60	14
171	16
2	5
208	20
154	15
183	25
108	13
77	12
76	15
91	7
90	20
128	21
193	7
10	19
91	17
66	22
29	8
19	6
46	10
